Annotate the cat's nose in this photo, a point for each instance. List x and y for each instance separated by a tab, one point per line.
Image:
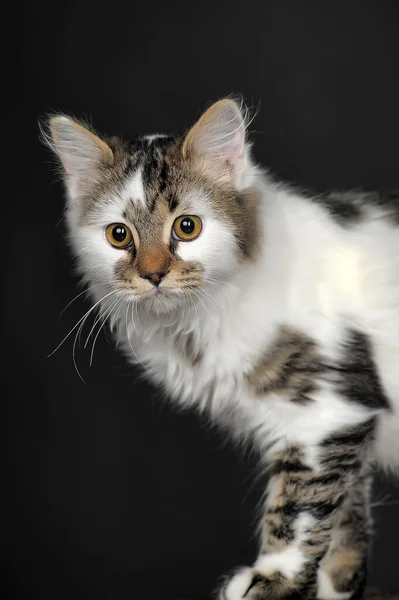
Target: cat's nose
155	277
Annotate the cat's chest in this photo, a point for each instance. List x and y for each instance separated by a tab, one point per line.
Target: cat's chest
202	369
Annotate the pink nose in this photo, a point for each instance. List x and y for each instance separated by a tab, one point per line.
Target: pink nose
155	277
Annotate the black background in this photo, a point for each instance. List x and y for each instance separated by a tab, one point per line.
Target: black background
109	493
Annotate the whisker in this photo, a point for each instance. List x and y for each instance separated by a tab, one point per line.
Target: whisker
209	299
183	327
100	316
85	291
79	333
80	320
220	304
129	340
59	222
102	325
218	282
77	337
196	311
134	307
196	293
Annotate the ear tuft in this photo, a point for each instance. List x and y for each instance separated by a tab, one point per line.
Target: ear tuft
218	134
80	151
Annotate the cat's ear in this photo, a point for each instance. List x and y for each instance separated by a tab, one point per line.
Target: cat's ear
219	135
81	152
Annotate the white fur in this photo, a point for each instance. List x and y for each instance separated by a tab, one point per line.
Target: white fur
238	585
290	561
134	189
216	239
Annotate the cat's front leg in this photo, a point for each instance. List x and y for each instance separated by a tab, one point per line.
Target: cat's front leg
343	569
302	509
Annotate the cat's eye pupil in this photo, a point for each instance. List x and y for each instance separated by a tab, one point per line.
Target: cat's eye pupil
187	226
119	233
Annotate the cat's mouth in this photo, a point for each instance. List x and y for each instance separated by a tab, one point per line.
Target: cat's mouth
163	292
158	297
156	291
161	300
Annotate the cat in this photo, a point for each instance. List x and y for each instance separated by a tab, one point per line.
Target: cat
274	312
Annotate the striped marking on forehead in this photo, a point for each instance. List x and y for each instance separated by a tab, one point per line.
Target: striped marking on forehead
153	174
158	171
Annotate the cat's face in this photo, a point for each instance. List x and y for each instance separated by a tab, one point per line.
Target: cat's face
159	218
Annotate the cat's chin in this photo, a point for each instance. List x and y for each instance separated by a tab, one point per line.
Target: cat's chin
162	302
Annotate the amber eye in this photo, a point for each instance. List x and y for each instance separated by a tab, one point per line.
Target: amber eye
187	228
118	235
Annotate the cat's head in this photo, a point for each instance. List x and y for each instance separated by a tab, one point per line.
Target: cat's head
161	216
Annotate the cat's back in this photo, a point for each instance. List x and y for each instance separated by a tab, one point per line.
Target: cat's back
344	249
358	242
365	262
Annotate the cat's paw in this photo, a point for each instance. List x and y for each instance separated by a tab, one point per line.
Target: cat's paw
251	584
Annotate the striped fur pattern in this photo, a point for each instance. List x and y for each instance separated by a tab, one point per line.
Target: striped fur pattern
280	321
309	514
290	368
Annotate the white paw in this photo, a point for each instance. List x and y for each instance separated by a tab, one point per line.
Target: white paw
254	584
238	585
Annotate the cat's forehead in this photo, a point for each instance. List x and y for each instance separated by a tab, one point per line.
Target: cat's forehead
150	180
159	180
142	173
157	173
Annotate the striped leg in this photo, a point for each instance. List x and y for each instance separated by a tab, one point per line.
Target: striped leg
343	570
302	510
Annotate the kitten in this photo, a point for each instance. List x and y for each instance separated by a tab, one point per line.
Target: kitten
274	312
